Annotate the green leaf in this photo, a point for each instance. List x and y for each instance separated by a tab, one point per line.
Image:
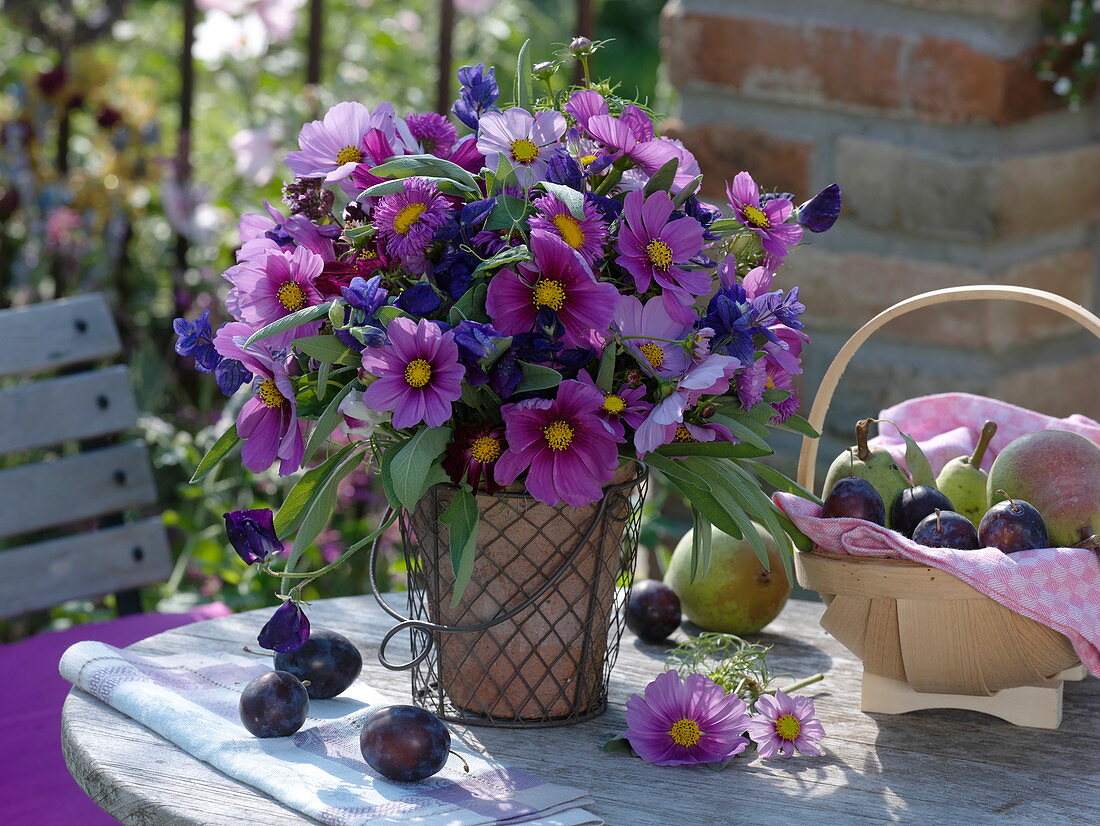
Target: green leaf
505	256
688	191
412	466
780	482
508	211
471	305
294	507
745	432
919	467
328	349
326	423
662	179
289	322
444	185
747	418
426	166
799	539
726	225
700	545
725	450
696	490
617	745
218	451
572	199
359	232
462	517
797	424
322	380
606	374
524	93
319	510
385	470
537	377
505	174
775	395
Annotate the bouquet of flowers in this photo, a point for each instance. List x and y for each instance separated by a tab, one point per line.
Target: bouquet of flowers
530	304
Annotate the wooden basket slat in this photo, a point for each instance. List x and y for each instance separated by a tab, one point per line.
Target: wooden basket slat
882	643
846	619
56	334
951	665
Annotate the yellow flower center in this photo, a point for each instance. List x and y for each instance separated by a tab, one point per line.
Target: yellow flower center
788	727
524	151
367	254
613	403
269	394
684	435
587	159
570	230
549	293
685	732
485	449
659	254
653	353
756	217
349	154
417	373
769	383
407	217
558	435
291	296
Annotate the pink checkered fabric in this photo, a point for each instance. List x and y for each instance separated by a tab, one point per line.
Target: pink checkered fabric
1058	587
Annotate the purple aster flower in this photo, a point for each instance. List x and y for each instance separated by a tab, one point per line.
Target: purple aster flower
196	339
418	373
767	220
230	374
433	133
785	724
278	284
820	212
558	284
751	382
287	630
625	406
333	147
781	380
407	220
562	444
477	95
586	235
418	300
526	141
252	534
652	336
683	722
268	421
653	248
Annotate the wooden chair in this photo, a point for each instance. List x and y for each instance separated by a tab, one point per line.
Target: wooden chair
72	479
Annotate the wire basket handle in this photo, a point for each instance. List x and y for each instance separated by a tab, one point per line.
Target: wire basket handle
807	460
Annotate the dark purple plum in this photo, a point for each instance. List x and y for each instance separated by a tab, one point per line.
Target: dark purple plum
404	743
327	660
653	610
857	498
274	705
1013	525
914	504
946	529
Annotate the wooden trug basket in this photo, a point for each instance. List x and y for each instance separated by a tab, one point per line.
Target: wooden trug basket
925	637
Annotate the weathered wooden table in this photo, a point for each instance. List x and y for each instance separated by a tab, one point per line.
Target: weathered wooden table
925	767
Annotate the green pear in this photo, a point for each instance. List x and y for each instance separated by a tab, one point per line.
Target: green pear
963	481
876	465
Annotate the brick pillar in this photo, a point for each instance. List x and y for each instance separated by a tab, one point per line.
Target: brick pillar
957	166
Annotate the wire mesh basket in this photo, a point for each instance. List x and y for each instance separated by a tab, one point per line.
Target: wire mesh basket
533	639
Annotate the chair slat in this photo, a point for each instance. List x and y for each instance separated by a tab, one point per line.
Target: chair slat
82	566
55	334
76	487
80	406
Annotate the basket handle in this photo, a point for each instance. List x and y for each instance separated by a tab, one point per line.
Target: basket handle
807	460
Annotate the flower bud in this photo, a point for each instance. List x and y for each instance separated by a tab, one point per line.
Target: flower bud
545	70
634	378
708	411
581	46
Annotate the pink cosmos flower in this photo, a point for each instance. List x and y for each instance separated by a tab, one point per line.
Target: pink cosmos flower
268	422
785	724
586	235
584	105
558	281
769	221
332	148
663	355
407	220
653	248
705	378
277	284
525	141
681	723
562	444
418	373
625	405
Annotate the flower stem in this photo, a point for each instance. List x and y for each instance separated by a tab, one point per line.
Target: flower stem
311	575
797	684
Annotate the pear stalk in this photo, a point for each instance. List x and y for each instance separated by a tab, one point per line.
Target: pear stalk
989	430
863	452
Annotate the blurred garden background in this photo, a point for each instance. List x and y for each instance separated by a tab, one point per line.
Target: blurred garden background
133	133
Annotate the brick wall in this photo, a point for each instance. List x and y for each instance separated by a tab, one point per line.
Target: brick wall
957	166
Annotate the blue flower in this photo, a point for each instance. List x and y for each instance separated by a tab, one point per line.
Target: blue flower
286	631
196	339
252	534
784	309
820	212
366	296
478	94
465	222
230	374
610	208
476	341
418	300
454	272
561	168
734	321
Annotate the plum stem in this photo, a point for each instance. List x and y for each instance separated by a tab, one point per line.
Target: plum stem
259	653
465	765
989	430
1012	505
939	525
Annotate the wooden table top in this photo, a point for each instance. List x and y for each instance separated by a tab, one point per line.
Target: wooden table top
923	767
